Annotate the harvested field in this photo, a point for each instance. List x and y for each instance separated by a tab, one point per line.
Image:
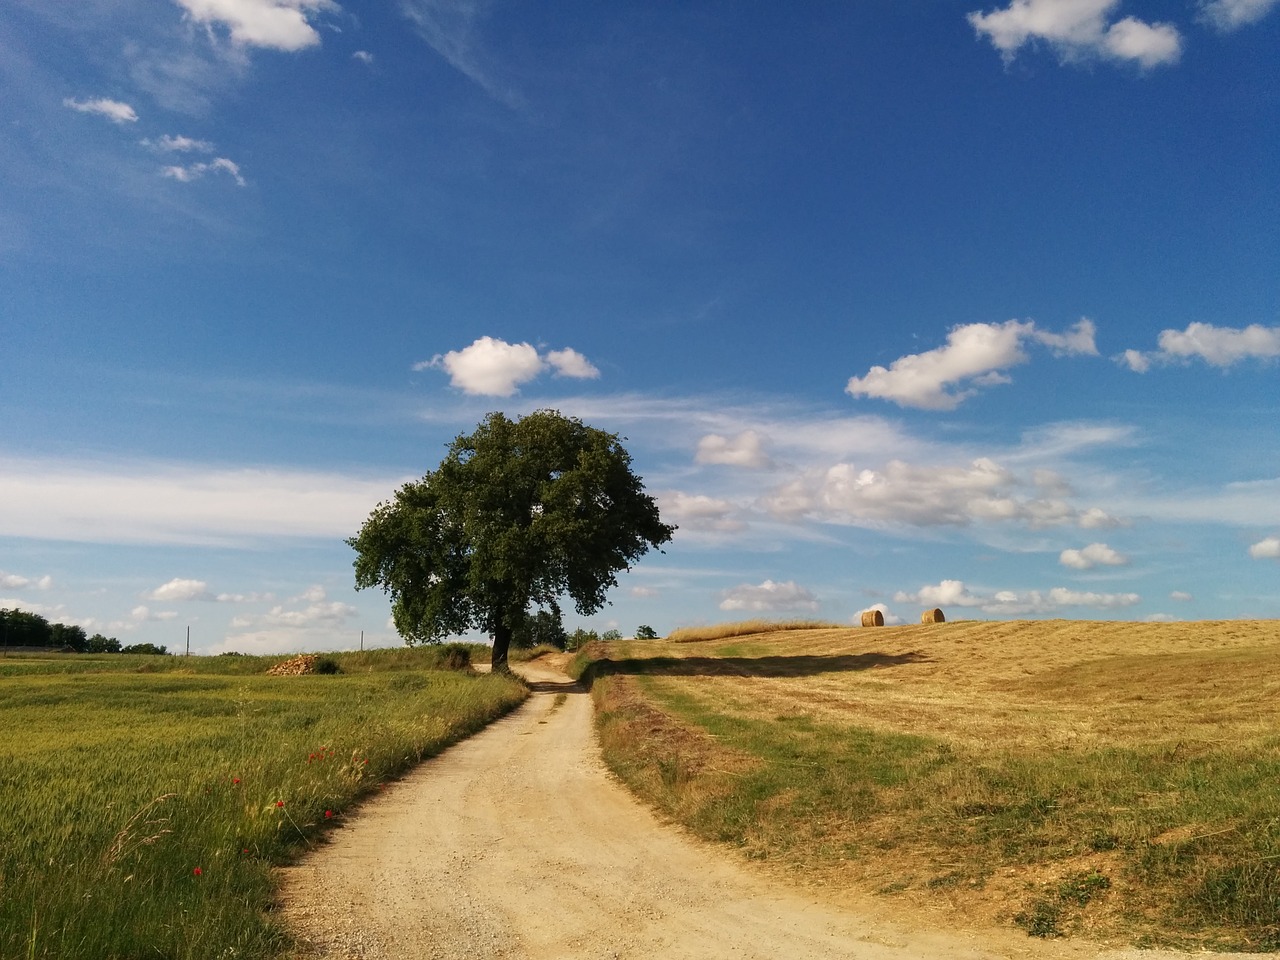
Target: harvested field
983	768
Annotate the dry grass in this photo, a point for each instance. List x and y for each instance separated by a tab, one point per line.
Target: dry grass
744	628
1110	779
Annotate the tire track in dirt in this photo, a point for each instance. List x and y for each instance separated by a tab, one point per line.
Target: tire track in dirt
517	844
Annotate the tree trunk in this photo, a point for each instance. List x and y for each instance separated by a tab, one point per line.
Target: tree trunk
501	644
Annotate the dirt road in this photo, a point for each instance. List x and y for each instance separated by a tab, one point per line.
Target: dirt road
517	844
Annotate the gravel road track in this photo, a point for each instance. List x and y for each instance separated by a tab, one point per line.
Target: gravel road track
518	844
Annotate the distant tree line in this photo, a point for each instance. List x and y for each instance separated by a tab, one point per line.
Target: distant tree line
20	628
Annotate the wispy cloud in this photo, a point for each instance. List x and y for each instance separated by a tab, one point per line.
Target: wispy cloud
104	502
113	110
699	513
451	29
1228	15
194	171
975	356
746	449
178	144
15	581
769	595
955	593
925	495
1079	30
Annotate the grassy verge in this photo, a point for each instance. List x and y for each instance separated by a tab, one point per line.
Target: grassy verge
144	810
1109	780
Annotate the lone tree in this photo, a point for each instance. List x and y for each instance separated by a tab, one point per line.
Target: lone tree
518	514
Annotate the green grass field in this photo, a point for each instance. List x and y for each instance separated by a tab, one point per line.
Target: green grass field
1112	780
145	799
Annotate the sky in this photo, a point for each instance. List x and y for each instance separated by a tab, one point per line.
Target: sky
896	304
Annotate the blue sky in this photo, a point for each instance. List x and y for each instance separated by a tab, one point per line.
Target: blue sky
909	304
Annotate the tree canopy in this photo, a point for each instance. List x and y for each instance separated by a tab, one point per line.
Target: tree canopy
519	514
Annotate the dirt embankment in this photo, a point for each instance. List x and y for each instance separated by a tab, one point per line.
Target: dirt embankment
517	844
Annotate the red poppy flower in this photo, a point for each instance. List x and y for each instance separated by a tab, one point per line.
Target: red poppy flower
279	803
328	814
197	871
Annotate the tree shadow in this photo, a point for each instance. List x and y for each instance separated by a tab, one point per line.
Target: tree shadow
801	665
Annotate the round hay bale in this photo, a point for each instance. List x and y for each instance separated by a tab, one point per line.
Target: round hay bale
932	616
872	618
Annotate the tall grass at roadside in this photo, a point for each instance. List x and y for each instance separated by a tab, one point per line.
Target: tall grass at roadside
1115	780
142	812
743	628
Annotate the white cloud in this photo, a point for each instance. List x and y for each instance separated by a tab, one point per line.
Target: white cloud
494	368
245	597
307	621
275	24
178	144
1268	549
314	614
1180	595
194	171
14	581
179	589
104	502
1229	15
364	56
974	356
113	110
926	496
696	512
1217	346
1014	603
142	614
769	596
643	593
1136	360
1094	555
570	363
744	450
1078	30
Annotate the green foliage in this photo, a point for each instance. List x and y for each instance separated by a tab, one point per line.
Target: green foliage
100	644
118	787
646	632
580	638
147	649
22	628
519	513
541	628
326	666
611	635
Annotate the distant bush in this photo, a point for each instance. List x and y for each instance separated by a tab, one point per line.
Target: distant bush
455	656
543	628
646	632
611	635
580	638
326	665
146	648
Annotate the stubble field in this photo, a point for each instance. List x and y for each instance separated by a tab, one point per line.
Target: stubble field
1113	780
